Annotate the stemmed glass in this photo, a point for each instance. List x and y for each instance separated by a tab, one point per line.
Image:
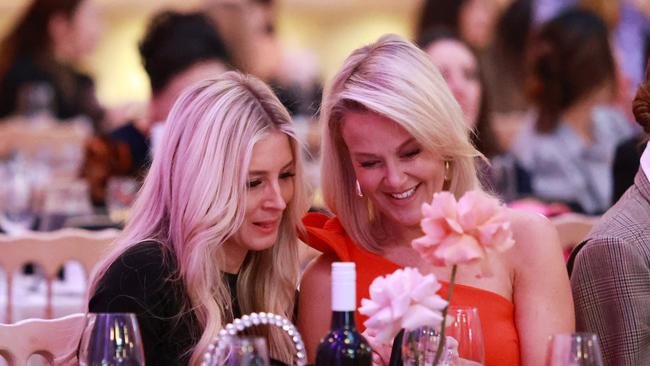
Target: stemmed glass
111	339
577	349
245	351
463	342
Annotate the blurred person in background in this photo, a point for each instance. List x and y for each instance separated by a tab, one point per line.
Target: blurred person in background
628	22
460	67
213	232
39	59
471	20
609	271
568	145
176	50
504	67
250	31
629	27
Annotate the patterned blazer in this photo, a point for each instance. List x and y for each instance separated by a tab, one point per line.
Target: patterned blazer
611	279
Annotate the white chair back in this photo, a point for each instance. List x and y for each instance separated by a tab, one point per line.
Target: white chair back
55	339
50	251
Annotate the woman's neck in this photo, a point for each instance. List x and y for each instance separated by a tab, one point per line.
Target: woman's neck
234	256
395	241
392	234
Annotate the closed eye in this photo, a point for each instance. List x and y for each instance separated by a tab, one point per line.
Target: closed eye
412	153
287	175
369	164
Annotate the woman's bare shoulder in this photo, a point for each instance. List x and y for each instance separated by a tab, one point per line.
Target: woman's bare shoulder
319	269
535	237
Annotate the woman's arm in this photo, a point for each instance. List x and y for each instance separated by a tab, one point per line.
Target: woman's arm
542	294
315	304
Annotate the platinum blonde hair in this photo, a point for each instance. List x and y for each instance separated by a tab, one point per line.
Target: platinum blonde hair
395	79
194	199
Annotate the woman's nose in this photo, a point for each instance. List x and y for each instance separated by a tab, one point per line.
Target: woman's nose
273	197
395	175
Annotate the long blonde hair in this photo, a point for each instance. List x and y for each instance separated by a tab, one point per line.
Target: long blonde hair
194	198
395	79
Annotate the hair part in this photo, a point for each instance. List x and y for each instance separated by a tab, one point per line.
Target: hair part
194	199
394	79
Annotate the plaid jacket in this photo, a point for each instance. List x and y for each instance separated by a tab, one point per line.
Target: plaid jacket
611	279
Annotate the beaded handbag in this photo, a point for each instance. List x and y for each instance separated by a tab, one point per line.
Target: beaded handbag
214	353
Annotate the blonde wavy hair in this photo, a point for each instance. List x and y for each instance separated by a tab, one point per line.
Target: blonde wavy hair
194	199
395	79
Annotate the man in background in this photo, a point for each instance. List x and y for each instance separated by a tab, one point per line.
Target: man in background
177	50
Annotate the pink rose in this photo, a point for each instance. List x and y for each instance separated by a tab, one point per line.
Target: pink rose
464	231
403	299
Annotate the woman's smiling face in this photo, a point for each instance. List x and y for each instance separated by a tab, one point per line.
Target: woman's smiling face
395	173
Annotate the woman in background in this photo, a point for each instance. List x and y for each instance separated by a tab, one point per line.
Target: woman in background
393	136
212	234
472	20
460	67
39	56
568	147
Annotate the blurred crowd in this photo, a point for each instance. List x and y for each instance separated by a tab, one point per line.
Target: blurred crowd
546	86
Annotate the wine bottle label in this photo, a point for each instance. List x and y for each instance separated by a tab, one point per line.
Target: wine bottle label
344	291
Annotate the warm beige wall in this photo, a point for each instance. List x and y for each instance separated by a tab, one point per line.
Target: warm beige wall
332	33
331	28
116	63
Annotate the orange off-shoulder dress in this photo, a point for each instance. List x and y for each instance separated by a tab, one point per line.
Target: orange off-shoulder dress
496	312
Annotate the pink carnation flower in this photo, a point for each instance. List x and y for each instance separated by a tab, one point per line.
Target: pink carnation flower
404	299
463	232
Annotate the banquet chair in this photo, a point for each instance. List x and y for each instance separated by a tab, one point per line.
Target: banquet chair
17	134
573	228
50	251
54	339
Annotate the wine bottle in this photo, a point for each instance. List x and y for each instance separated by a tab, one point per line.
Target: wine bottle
343	345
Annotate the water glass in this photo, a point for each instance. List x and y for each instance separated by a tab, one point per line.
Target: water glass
111	339
577	349
17	211
463	341
120	194
245	351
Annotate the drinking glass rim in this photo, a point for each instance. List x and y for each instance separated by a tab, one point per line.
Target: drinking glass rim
92	313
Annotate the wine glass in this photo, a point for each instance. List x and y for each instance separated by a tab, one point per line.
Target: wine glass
111	339
245	351
463	341
577	349
419	348
467	333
